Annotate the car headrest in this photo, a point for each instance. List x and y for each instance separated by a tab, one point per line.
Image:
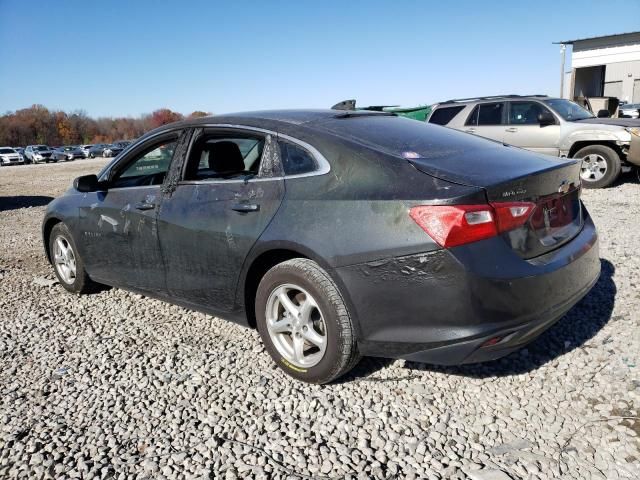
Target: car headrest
225	157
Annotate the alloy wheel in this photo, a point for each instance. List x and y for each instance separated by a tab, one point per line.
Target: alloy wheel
594	167
296	326
65	259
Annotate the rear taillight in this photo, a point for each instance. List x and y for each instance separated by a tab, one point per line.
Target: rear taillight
452	225
510	215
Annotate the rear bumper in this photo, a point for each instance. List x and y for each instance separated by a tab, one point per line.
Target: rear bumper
443	306
511	338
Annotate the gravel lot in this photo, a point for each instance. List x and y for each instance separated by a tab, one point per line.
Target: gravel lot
115	385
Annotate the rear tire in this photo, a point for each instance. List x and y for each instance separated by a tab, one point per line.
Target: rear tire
600	166
66	261
327	322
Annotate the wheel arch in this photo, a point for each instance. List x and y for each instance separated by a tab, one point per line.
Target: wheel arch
269	256
580	144
47	227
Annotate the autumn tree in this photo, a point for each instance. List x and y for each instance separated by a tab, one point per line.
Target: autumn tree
163	116
198	114
39	125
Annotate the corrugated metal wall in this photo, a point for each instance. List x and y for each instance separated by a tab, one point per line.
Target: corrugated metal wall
619	71
625	73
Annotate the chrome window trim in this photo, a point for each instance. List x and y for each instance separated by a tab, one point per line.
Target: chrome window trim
129	188
323	164
210	181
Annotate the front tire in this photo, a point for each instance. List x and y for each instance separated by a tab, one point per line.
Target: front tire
600	166
66	260
304	322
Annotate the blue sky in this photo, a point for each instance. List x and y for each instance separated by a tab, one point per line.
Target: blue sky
131	57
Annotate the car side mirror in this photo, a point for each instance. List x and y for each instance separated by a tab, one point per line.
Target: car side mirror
545	118
86	183
604	113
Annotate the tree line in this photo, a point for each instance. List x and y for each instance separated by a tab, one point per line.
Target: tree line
39	125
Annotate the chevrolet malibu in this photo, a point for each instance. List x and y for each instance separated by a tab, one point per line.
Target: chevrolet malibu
336	235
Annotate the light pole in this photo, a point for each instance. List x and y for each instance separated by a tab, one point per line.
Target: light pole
563	48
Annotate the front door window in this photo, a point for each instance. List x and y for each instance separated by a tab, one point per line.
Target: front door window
148	168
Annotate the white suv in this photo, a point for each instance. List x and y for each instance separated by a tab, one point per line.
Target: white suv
553	126
8	156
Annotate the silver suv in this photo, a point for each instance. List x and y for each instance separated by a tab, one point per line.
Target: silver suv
553	126
38	154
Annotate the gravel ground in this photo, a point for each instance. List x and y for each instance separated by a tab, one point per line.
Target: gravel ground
115	385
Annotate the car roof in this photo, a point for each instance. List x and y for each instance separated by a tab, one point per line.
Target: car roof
493	98
267	119
295	117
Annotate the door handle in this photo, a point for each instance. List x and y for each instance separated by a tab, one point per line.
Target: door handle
470	130
511	129
145	206
246	207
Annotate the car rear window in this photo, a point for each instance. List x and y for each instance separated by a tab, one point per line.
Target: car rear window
296	160
443	115
404	137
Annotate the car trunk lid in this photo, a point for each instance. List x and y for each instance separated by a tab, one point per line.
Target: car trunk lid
552	185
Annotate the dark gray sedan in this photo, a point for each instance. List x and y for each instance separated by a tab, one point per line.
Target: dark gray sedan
67	153
97	150
336	235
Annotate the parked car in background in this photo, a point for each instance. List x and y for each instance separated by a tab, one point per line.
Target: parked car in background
20	150
467	250
553	126
629	110
67	153
112	150
97	150
38	154
85	150
8	156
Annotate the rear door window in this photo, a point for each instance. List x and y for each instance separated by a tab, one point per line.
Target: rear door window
487	114
442	116
224	156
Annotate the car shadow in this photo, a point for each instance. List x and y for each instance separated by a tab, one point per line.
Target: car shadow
632	177
23	201
572	331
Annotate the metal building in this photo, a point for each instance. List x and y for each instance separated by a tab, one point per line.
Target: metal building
606	66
